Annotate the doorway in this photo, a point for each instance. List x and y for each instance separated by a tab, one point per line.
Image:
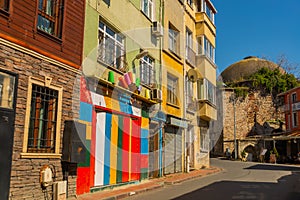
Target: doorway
8	83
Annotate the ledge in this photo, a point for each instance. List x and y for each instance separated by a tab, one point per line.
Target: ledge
41	155
114	86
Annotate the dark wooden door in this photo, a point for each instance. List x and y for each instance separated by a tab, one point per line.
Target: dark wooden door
7	112
6	144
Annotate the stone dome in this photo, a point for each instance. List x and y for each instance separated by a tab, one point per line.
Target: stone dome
242	69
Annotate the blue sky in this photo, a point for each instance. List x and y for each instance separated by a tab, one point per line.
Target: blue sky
263	28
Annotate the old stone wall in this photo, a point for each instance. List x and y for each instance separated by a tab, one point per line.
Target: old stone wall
251	115
25	172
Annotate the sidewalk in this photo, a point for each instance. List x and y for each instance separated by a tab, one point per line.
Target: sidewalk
125	191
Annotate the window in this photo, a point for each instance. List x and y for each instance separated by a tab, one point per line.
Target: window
295	119
206	48
50	17
173	40
189	53
206	91
4	5
7	86
294	98
111	46
147	71
147	8
204	136
189	91
172	89
43	118
207	7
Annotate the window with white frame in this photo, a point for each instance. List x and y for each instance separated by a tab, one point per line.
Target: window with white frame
147	8
295	119
173	39
172	87
204	135
206	91
43	116
111	46
205	6
206	48
147	71
189	91
189	52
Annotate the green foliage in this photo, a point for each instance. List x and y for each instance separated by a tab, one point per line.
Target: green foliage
273	81
274	151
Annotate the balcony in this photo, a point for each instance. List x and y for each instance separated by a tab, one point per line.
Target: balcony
190	56
296	106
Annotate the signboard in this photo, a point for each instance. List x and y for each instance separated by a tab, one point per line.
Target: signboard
178	122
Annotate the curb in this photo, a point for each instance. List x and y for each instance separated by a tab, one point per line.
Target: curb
139	191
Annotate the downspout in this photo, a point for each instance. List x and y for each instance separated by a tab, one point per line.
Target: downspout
186	168
161	17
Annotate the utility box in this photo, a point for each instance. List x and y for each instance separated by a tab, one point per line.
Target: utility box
59	190
74	139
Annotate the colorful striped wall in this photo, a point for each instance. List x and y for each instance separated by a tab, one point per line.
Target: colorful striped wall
117	138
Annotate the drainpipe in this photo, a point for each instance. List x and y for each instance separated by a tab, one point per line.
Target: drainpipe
161	163
186	158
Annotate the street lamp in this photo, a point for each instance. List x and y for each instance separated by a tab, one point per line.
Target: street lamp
233	99
139	56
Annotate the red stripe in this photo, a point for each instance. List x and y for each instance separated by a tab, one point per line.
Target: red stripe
125	153
135	150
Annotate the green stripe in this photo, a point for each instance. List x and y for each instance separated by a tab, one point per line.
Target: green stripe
120	148
87	155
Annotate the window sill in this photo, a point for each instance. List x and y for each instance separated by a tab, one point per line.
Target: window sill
49	36
4	13
173	105
40	155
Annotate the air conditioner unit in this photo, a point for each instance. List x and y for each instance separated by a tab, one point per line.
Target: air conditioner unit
156	94
60	190
157	29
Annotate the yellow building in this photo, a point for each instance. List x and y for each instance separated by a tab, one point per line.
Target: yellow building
189	82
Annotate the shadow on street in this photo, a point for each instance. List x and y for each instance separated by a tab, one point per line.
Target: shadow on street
287	188
274	167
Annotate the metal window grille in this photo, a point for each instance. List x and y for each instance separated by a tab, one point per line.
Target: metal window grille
43	116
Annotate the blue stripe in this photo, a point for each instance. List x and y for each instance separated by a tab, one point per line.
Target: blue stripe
107	149
144	141
85	112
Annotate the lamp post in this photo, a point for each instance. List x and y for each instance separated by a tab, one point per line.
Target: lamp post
233	99
139	56
234	127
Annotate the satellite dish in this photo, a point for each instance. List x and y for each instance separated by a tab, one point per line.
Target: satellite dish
193	75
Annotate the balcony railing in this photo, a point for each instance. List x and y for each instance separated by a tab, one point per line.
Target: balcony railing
296	106
190	56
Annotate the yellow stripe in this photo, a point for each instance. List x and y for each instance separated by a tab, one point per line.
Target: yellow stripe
129	151
145	123
113	149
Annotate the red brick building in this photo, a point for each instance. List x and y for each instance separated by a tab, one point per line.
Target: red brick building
291	109
40	57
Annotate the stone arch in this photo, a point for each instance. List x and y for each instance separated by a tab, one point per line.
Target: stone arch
250	148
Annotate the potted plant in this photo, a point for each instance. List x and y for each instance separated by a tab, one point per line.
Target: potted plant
274	155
